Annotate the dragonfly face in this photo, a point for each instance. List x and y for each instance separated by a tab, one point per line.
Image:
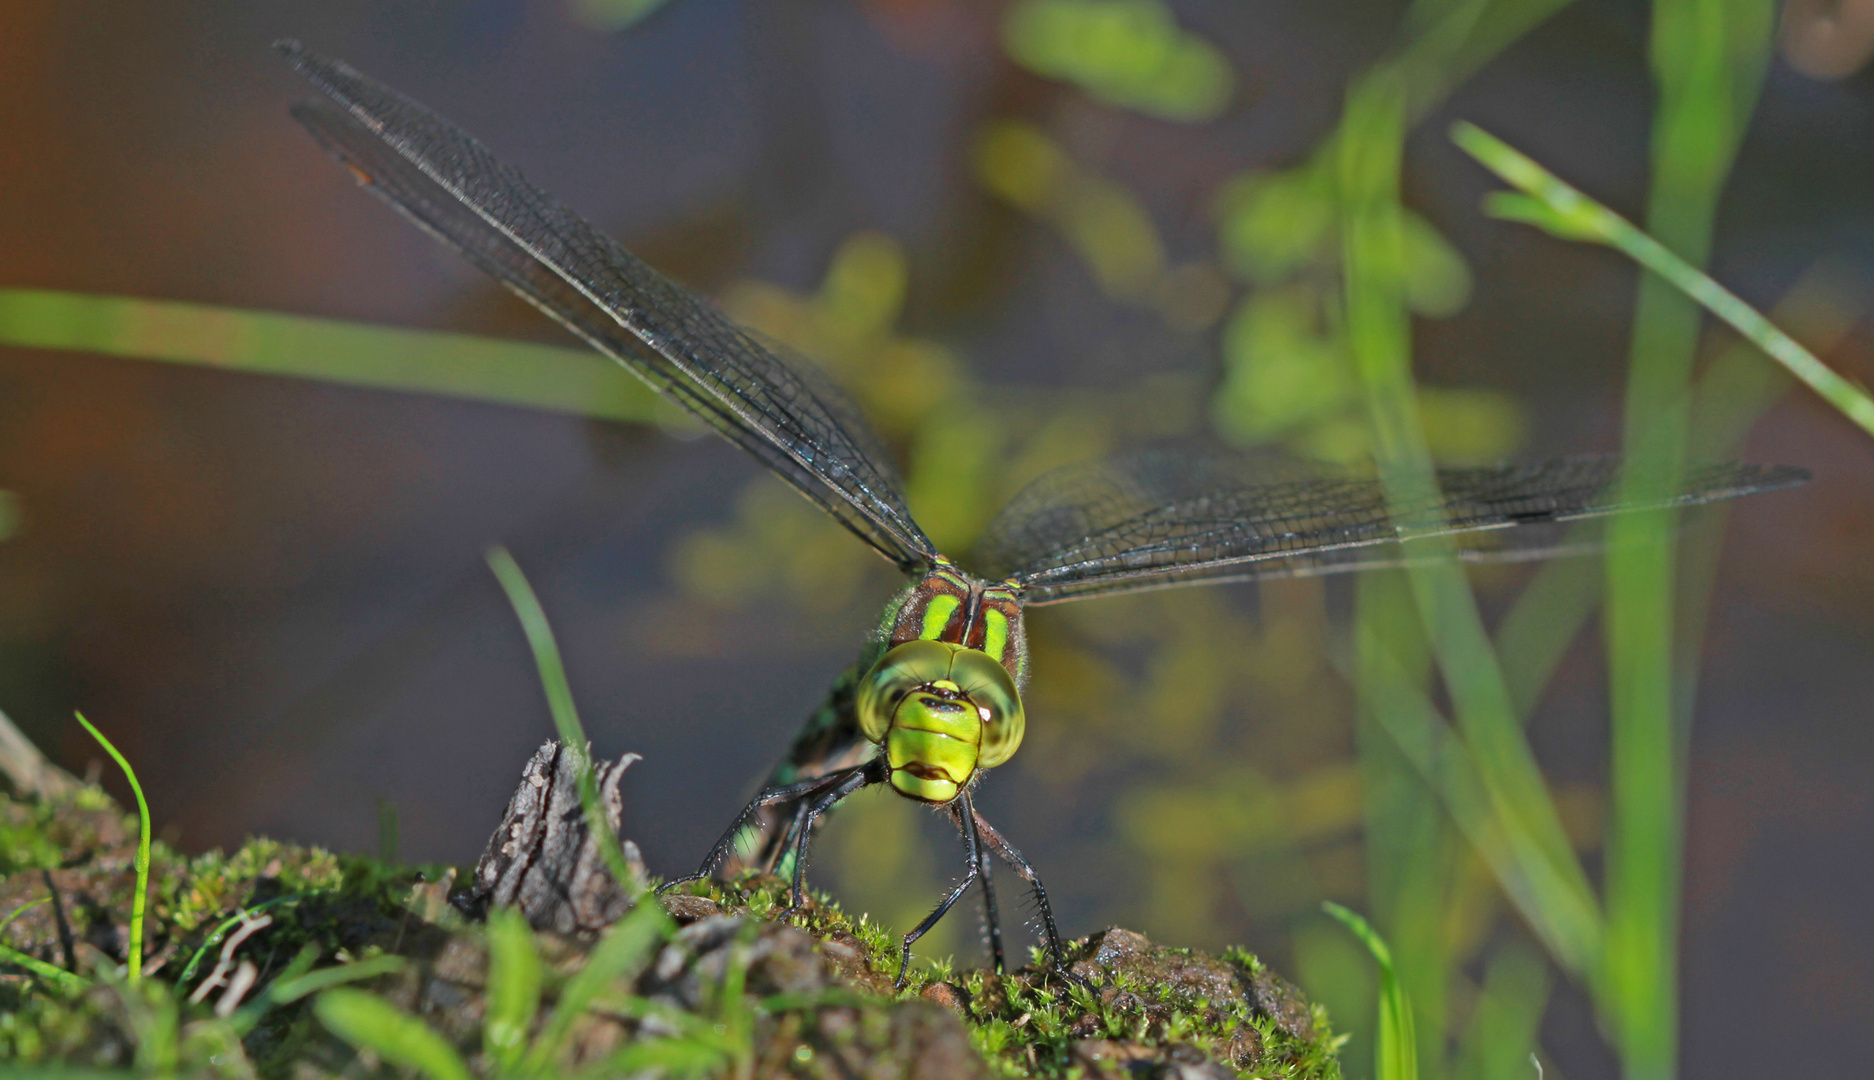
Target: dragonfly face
941	712
943	701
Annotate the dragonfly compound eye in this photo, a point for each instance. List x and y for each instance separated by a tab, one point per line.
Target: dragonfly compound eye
941	711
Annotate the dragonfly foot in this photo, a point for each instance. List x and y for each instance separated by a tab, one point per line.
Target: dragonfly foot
904	966
684	880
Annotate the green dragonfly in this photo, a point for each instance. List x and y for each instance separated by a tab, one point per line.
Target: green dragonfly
934	700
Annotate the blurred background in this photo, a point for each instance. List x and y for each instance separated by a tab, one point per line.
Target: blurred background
1022	234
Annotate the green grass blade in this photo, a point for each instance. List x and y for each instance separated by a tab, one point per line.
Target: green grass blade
1560	209
141	899
1415	863
21	910
289	990
1532	883
1396	1055
1561	900
1507	1018
1734	390
623	952
1708	61
577	381
559	693
368	1022
221	931
51	973
514	975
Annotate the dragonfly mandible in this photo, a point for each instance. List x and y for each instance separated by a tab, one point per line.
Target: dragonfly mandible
934	699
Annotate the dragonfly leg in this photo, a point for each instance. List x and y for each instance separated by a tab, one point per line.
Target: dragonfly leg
851	781
726	846
992	919
994	841
966	818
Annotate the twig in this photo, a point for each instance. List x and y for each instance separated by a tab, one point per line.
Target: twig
249	927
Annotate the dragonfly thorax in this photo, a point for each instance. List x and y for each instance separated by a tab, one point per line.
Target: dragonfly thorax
941	712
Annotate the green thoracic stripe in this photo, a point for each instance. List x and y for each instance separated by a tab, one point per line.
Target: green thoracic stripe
357	354
937	616
995	633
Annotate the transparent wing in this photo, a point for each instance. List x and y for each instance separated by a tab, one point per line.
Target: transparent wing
775	405
1161	518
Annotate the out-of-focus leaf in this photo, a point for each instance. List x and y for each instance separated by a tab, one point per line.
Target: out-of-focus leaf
1437	283
1508	1016
624	951
612	15
1105	222
11	515
1470	426
1019	163
1115	234
513	987
290	989
368	1022
1396	1055
1281	370
864	287
1274	223
380	357
1129	53
952	475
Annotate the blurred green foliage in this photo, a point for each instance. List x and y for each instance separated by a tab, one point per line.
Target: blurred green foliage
1129	53
613	15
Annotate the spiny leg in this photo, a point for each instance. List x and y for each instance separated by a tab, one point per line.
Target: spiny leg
996	842
966	817
770	861
853	781
726	846
992	919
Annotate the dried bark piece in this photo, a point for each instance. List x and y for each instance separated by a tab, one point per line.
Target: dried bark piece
543	857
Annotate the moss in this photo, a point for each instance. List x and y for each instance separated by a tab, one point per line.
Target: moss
728	984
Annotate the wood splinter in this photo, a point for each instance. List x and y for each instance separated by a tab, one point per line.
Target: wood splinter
543	857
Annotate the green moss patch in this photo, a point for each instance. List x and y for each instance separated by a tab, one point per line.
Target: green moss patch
247	951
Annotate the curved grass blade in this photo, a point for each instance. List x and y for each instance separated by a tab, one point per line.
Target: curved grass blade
141	899
1396	1056
777	407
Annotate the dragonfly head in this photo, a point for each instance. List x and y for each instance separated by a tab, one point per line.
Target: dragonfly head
941	711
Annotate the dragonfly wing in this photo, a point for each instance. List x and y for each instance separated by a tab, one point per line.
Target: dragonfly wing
775	405
1161	518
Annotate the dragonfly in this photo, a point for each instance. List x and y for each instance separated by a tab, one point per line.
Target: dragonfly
934	700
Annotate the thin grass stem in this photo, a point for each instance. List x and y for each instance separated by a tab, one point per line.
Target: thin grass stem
141	899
